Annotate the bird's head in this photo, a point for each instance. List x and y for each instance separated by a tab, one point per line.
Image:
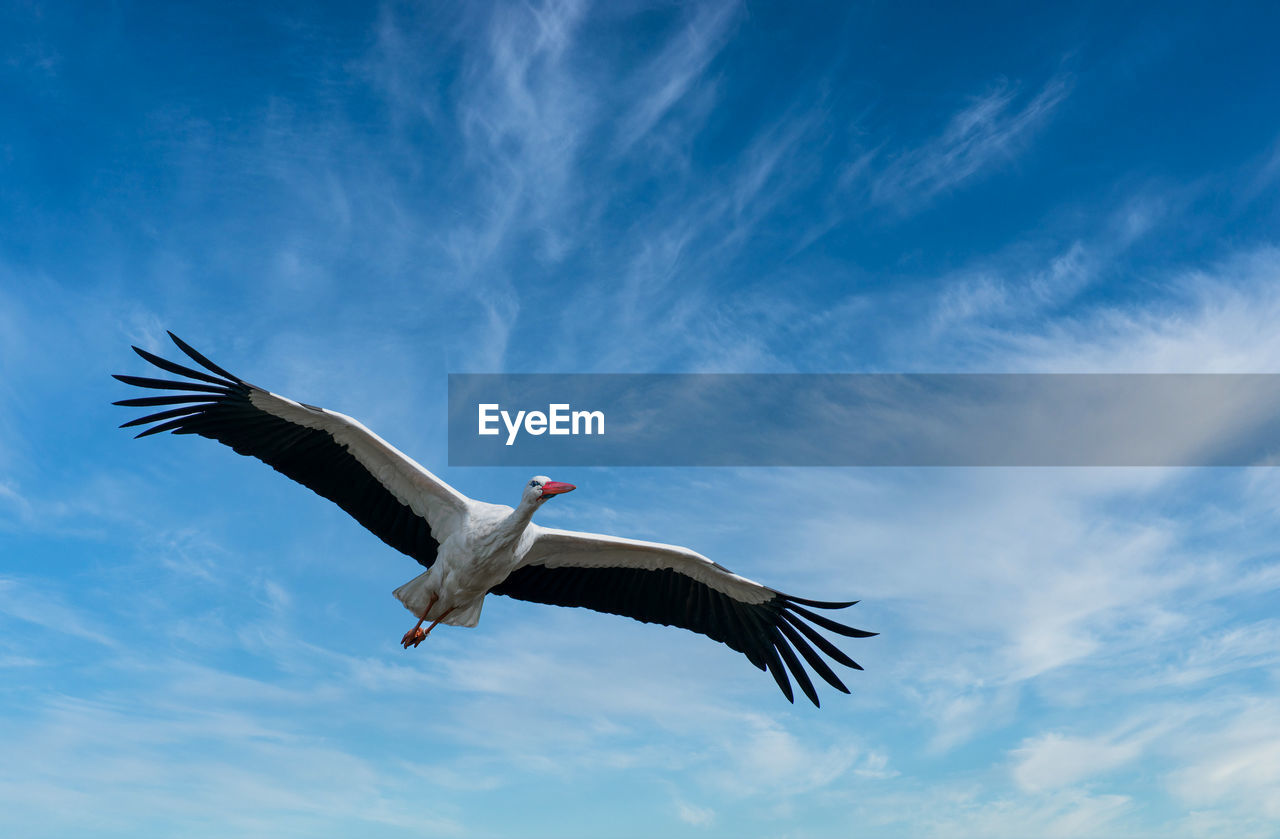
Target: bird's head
540	488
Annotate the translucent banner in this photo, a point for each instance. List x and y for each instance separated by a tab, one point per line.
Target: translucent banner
864	420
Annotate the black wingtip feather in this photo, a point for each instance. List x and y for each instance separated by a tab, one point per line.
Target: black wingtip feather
797	669
828	624
152	401
164	426
778	672
815	661
166	364
201	360
838	655
819	604
186	410
168	384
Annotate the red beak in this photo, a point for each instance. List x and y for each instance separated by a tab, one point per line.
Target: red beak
555	488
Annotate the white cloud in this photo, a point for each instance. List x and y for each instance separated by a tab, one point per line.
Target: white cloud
524	113
666	79
14	500
112	767
988	132
1068	815
1211	320
694	815
1051	761
30	603
1232	761
762	759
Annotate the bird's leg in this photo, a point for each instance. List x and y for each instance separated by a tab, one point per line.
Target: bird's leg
415	636
436	621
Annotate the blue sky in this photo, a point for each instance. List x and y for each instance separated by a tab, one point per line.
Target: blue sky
346	203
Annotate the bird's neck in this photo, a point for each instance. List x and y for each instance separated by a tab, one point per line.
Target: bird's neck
520	517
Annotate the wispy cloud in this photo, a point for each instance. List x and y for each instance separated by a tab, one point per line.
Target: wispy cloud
1210	320
21	601
16	502
1066	814
694	815
666	79
1234	763
1052	760
1219	753
524	113
987	133
182	765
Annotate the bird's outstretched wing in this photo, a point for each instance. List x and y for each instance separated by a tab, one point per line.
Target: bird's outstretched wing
399	501
666	584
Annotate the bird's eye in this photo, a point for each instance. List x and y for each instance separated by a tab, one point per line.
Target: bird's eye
533	483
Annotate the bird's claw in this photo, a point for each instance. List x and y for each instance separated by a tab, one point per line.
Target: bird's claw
413	637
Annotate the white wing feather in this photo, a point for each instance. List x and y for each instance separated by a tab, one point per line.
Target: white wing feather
555	548
412	484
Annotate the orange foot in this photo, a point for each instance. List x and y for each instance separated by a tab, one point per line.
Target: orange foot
413	637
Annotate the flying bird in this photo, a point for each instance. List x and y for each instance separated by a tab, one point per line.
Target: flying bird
472	548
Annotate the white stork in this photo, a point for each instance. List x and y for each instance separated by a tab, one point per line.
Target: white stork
470	548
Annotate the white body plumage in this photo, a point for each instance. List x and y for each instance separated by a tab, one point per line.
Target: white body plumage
480	553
